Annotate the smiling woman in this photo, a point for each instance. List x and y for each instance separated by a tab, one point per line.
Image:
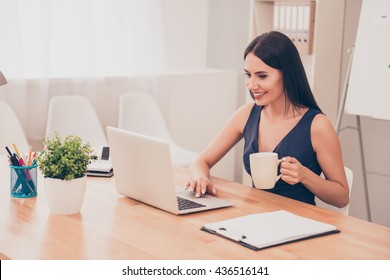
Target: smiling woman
284	119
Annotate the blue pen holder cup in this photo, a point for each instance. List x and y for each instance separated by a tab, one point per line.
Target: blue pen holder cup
23	181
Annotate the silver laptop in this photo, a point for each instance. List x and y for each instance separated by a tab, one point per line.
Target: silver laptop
143	171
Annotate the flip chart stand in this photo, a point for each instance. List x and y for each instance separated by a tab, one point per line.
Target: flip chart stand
358	127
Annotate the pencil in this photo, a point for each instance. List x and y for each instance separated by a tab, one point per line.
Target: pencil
29	156
16	150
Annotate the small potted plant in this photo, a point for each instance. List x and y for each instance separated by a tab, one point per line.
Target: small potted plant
63	164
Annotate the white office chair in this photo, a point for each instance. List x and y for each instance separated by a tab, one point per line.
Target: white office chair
344	210
11	130
139	112
75	115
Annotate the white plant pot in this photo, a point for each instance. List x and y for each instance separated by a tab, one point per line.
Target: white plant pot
65	197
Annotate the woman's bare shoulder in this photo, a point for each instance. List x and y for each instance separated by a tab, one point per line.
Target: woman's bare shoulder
245	109
322	124
240	117
323	133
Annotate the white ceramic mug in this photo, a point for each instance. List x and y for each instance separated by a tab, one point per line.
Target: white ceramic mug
264	169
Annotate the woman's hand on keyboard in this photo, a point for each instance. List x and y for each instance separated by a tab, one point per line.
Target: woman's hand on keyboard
201	186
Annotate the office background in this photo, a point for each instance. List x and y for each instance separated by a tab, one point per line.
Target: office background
199	81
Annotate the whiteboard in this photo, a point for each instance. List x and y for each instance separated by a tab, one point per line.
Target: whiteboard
369	84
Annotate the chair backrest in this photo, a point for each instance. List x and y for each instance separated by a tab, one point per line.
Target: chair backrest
139	112
11	130
75	115
344	210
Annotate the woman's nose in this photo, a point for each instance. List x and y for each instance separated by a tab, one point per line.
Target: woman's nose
251	83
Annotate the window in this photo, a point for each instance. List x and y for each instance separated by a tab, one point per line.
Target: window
81	38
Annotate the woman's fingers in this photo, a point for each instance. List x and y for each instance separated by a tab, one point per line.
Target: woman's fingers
200	186
289	168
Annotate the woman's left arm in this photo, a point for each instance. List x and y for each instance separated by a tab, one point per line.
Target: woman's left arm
334	189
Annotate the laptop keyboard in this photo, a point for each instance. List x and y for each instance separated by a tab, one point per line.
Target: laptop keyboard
185	204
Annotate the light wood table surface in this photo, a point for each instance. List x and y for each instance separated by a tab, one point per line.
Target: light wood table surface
111	226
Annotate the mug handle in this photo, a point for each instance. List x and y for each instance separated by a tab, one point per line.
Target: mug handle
280	175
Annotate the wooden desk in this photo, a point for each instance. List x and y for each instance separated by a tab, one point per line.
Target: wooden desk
111	226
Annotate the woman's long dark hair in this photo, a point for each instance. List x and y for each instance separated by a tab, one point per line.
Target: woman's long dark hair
277	51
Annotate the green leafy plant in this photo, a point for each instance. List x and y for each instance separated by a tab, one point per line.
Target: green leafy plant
66	159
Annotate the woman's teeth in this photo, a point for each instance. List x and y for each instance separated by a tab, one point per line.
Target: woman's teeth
259	94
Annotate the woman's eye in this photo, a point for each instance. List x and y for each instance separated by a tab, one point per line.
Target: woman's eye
247	74
262	76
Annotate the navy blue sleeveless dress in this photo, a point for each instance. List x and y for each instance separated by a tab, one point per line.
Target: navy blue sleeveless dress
297	143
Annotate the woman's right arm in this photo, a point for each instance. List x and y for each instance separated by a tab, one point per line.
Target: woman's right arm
229	136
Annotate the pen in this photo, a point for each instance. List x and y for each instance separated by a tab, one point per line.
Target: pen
21	161
9	152
14	160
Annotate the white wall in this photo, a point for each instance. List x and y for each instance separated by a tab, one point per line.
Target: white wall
228	36
185	30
